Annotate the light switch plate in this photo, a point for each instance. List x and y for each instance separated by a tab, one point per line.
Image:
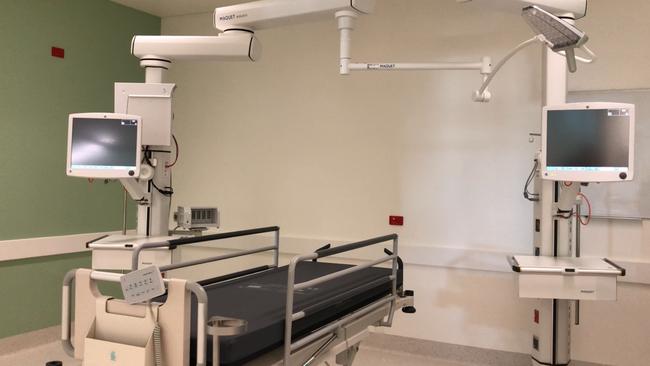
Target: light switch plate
142	285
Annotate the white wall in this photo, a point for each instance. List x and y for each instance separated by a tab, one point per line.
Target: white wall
289	134
289	142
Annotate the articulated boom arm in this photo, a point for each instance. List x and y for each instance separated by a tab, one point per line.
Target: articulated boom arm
272	13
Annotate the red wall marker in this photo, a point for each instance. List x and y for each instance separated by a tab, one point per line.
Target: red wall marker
396	220
58	52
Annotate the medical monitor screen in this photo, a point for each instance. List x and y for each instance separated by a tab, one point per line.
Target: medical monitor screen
587	140
590	141
104	147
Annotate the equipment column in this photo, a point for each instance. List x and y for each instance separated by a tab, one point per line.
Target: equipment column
551	327
153	219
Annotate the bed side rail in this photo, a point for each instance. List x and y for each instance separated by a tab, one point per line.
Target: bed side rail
292	287
174	243
194	288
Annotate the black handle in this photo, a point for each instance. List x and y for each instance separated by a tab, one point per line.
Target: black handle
95	240
400	262
616	266
233	234
327	246
353	246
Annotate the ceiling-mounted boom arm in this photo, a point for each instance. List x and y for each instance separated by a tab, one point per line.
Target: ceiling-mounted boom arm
271	13
237	41
231	46
156	53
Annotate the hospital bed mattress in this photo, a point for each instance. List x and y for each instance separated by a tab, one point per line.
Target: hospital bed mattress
260	298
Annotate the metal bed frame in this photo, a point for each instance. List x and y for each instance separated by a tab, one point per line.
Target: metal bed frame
321	339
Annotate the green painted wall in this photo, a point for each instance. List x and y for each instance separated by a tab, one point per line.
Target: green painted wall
37	92
31	291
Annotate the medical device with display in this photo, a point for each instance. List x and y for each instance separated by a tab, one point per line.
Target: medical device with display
588	142
104	145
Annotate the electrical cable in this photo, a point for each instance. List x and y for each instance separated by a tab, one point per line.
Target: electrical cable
533	197
589	210
177	152
157	337
168	191
171	184
565	214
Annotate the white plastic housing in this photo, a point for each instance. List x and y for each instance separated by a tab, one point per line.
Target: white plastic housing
231	46
153	102
587	175
271	13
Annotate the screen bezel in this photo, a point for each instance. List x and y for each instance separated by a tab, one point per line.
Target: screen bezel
105	173
587	176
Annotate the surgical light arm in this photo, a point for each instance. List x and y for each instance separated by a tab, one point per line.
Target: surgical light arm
557	34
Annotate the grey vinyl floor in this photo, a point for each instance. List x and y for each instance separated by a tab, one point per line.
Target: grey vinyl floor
368	356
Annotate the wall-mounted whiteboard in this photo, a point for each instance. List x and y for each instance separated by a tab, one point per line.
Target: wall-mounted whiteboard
628	199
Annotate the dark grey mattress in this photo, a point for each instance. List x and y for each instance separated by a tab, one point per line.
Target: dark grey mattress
260	299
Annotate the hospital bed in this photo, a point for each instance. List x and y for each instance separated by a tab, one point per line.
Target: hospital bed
305	313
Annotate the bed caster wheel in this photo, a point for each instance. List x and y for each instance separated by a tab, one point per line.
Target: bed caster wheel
409	309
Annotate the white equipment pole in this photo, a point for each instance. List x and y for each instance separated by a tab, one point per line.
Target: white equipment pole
551	327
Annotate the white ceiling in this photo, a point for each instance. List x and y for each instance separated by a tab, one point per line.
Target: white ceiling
168	8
